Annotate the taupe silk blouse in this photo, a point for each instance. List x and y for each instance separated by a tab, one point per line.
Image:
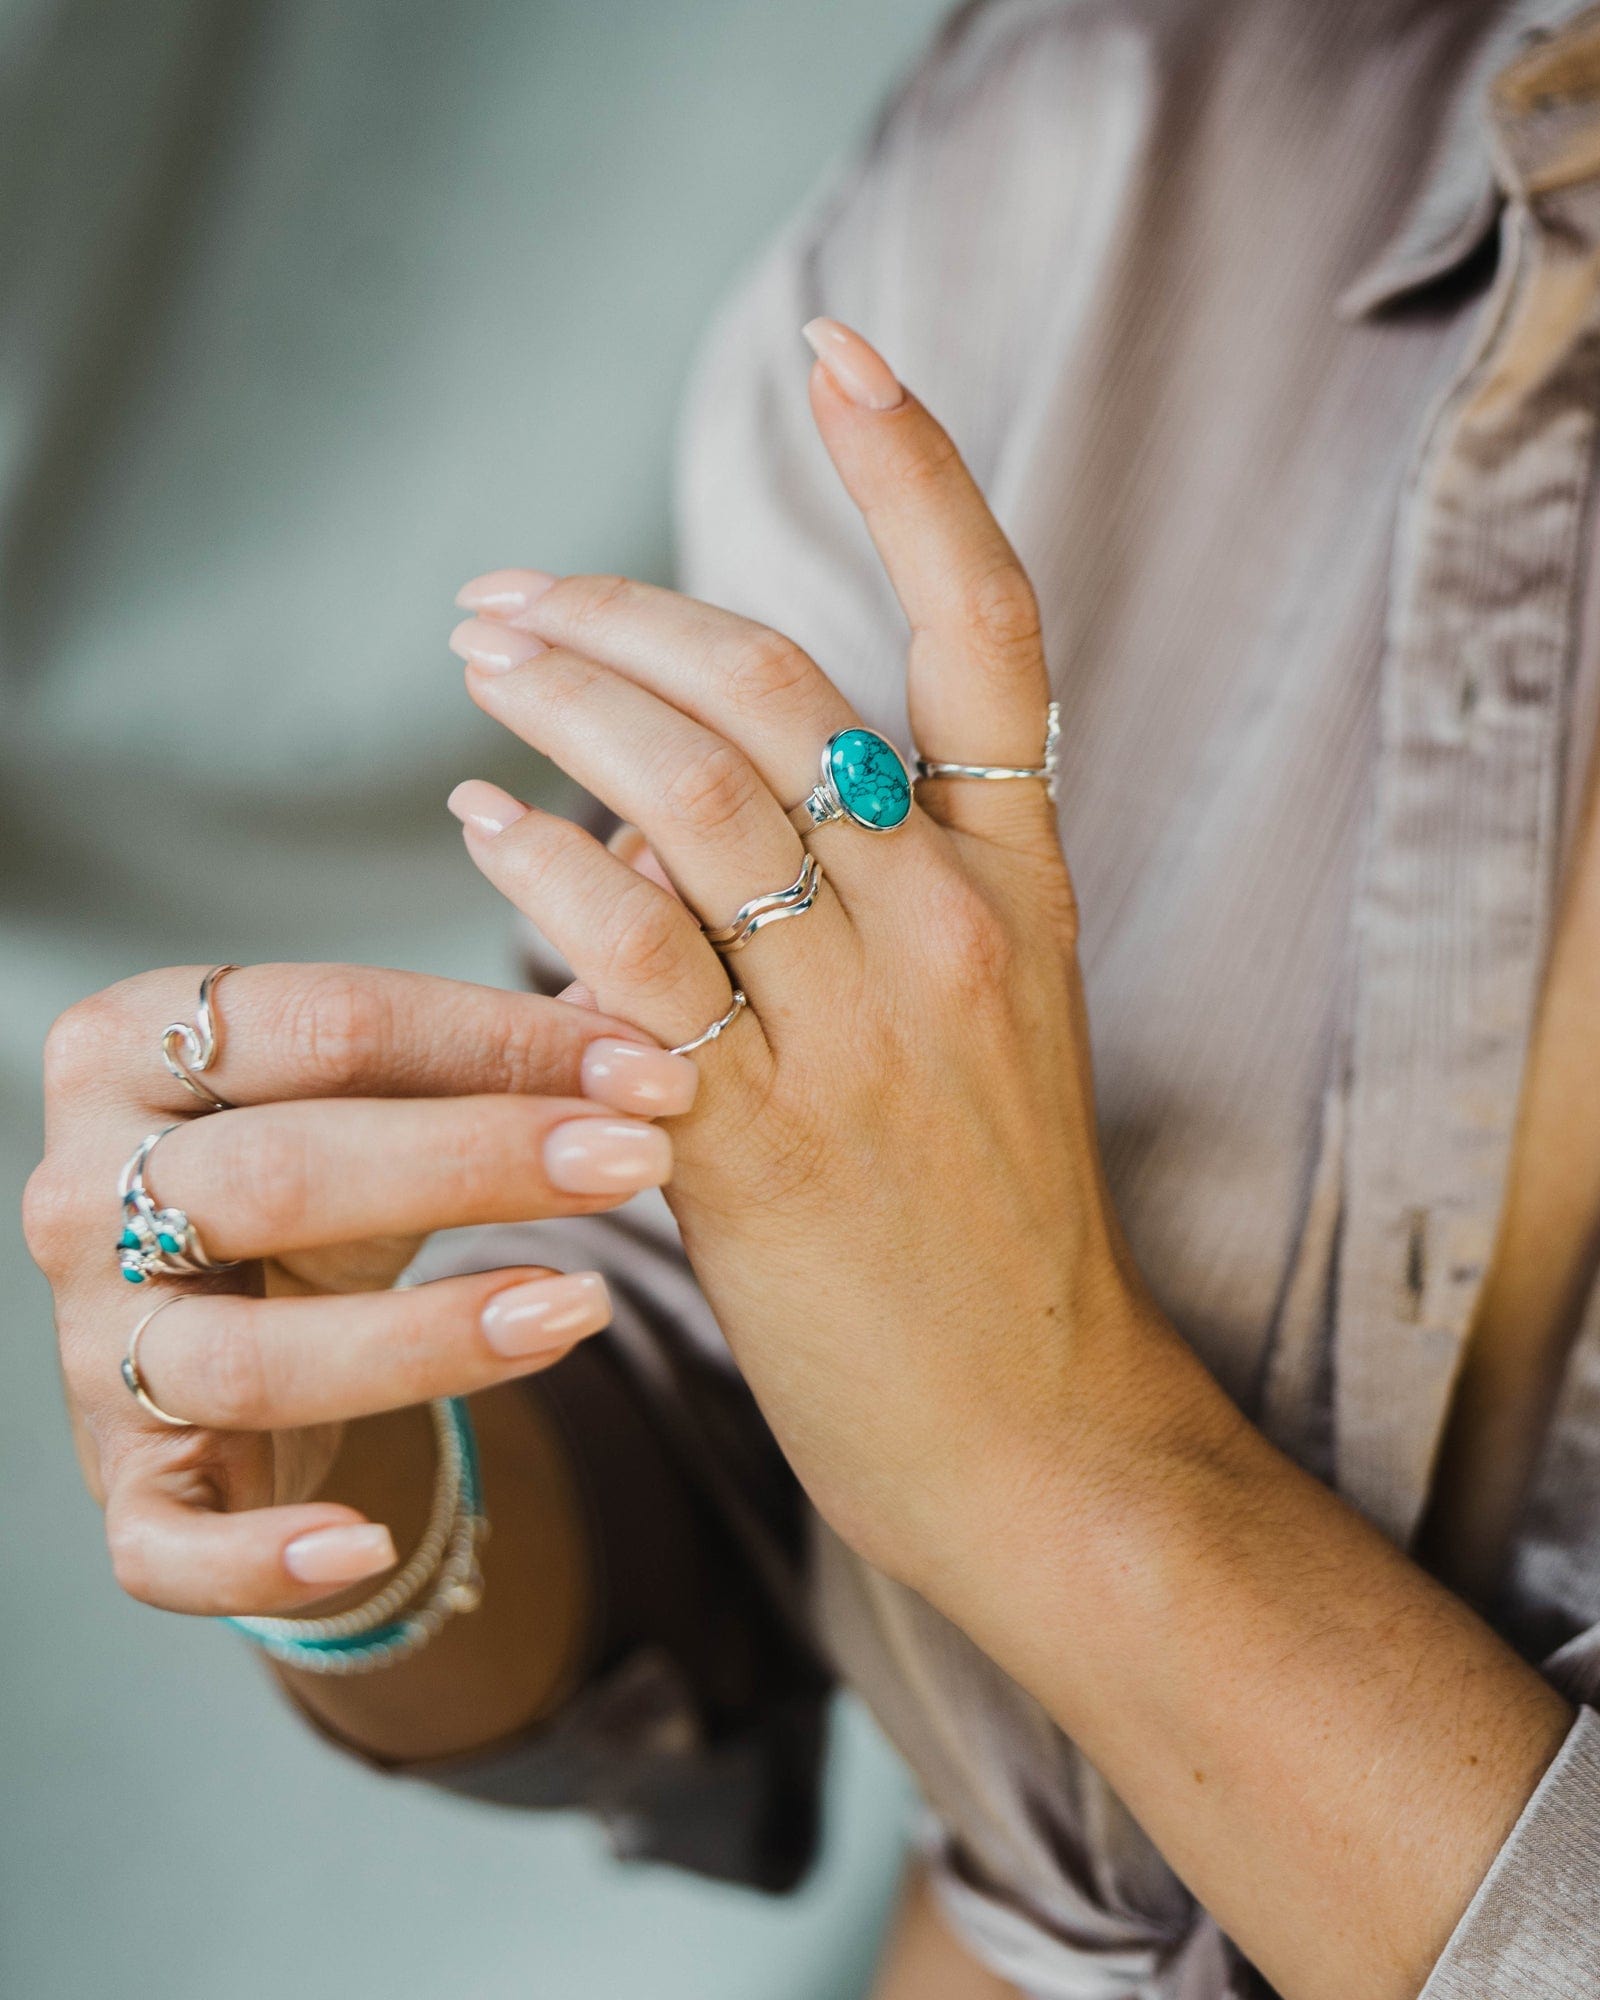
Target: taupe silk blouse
1272	330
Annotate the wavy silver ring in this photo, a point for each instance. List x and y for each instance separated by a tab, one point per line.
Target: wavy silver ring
186	1050
135	1381
926	767
156	1242
740	1002
770	909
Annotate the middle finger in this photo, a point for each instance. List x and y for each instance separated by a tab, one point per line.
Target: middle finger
269	1179
713	823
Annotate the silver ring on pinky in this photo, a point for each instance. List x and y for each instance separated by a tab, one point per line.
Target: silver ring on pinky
156	1242
770	909
134	1381
189	1051
1047	768
740	1002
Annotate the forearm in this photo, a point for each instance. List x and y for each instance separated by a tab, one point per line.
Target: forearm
494	1670
1325	1744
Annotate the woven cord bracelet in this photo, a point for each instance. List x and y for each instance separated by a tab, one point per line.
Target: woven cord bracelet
440	1580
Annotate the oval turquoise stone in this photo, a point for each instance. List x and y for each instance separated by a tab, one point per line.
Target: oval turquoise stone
870	779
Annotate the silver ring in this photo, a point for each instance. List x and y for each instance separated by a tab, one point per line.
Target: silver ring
135	1381
927	768
156	1242
740	1002
770	909
864	780
187	1050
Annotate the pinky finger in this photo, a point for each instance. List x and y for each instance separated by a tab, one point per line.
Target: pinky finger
173	1547
636	948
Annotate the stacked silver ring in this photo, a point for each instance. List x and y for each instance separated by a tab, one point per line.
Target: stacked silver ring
156	1242
769	909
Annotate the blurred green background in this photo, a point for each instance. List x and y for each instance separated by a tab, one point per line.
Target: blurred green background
307	313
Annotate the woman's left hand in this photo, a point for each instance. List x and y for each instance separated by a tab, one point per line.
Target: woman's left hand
889	1186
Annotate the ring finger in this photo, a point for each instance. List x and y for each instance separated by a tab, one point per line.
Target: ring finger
225	1362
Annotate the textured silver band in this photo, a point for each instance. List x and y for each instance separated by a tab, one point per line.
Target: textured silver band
927	767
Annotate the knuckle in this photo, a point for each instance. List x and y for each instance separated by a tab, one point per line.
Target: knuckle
225	1378
266	1170
647	940
975	946
335	1027
1001	610
79	1040
712	791
50	1224
587	602
921	458
767	669
131	1564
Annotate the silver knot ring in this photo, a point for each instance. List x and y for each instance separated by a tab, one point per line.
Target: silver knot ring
1046	769
740	1002
189	1051
770	909
156	1242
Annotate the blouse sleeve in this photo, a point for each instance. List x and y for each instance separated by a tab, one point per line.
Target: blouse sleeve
1533	1928
696	1733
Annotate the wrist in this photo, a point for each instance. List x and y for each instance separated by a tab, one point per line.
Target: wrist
1089	1483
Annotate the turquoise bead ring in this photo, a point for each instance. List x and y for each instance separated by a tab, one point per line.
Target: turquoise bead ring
864	780
156	1242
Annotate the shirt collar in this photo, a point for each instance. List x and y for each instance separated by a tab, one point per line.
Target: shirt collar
1460	196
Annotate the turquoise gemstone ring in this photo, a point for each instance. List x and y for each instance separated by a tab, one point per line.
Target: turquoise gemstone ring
864	780
156	1242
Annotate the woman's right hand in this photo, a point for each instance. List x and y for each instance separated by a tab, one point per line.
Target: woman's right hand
372	1107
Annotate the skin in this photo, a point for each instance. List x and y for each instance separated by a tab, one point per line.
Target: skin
962	1365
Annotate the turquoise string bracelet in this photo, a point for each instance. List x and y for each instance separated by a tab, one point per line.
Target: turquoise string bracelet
441	1580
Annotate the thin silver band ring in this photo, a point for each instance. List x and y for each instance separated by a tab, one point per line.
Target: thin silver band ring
770	909
134	1380
186	1050
928	767
740	1002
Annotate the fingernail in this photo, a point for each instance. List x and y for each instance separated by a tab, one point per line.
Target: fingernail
632	1078
340	1555
502	593
496	649
606	1156
484	807
546	1313
855	369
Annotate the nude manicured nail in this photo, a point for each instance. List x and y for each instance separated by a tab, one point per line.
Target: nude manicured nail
632	1078
494	649
502	593
606	1156
546	1314
484	807
856	370
340	1555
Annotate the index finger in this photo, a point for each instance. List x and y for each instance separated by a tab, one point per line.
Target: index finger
978	687
299	1031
